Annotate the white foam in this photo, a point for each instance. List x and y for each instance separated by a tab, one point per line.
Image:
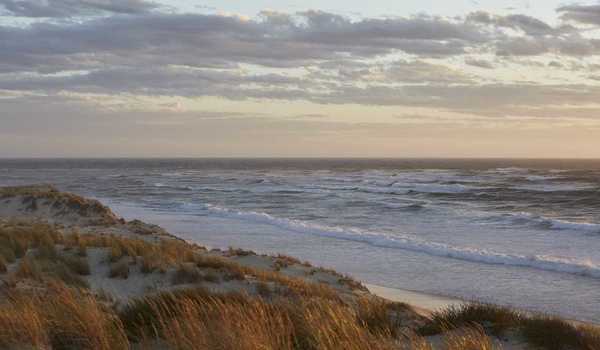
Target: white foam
412	243
162	185
542	177
441	188
556	187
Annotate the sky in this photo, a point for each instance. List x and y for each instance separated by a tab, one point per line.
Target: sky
286	78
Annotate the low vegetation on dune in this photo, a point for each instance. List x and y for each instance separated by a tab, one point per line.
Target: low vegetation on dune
32	197
539	331
46	301
59	318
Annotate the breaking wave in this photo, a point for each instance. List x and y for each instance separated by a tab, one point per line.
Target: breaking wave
415	244
524	218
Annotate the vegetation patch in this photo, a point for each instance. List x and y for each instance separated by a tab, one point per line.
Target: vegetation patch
119	270
495	318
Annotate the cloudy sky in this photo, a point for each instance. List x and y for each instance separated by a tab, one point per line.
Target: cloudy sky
338	78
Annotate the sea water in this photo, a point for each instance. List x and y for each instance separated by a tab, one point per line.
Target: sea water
523	233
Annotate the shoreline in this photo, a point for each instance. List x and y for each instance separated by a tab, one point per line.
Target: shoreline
423	303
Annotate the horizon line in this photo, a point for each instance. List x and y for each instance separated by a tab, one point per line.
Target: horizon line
291	158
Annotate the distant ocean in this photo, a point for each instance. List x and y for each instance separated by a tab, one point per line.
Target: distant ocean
524	233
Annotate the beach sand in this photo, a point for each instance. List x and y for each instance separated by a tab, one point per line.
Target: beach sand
422	302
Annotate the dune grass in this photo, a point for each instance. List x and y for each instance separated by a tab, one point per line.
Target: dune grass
60	318
187	274
45	261
3	267
470	338
540	331
64	318
497	319
552	333
119	269
197	319
82	206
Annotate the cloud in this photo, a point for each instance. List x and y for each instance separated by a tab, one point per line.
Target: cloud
568	45
588	14
73	8
527	24
479	63
274	39
312	56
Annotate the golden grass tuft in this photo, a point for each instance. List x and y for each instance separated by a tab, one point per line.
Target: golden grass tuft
187	274
471	338
552	333
498	319
7	254
61	200
61	318
196	319
28	268
380	316
540	331
79	265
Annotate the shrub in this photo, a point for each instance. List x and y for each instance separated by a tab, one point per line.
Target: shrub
471	338
8	254
119	270
498	319
116	252
150	263
380	316
213	262
263	290
46	250
186	274
82	250
77	265
211	277
552	333
352	283
196	319
60	318
28	268
239	252
3	267
20	247
65	274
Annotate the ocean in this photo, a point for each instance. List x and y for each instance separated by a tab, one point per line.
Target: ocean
523	233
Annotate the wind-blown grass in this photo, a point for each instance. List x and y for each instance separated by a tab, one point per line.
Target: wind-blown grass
60	318
196	319
541	331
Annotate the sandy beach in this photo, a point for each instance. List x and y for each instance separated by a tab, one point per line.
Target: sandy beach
425	303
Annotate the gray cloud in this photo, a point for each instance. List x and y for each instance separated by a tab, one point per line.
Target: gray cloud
527	24
589	14
72	8
199	40
479	63
191	55
569	45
